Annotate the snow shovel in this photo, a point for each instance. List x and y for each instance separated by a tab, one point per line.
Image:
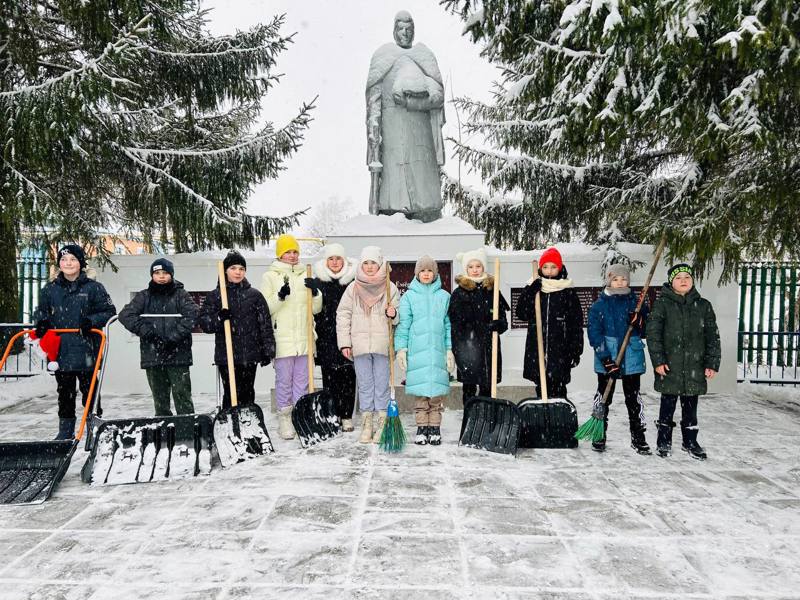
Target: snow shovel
144	449
239	431
547	422
29	471
490	423
314	415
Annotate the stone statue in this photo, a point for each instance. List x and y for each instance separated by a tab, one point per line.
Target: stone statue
405	115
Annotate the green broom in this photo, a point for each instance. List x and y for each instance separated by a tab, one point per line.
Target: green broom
594	428
393	436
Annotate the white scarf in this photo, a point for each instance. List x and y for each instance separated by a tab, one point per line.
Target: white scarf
555	285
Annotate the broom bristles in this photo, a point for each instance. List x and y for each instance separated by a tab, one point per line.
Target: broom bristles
593	430
393	436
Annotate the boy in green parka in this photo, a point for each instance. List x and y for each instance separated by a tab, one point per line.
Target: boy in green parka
683	340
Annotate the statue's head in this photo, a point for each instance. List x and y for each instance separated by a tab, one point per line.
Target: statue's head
403	29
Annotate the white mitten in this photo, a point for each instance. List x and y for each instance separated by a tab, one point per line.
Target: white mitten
451	361
401	359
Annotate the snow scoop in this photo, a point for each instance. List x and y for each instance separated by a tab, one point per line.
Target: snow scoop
30	471
594	428
393	437
239	431
314	415
490	423
546	422
144	449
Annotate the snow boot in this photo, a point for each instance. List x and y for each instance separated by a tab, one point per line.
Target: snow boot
366	428
600	445
285	427
639	442
690	444
347	425
378	430
664	439
66	429
421	439
434	435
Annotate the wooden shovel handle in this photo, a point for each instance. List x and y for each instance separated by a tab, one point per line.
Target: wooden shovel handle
310	333
223	293
540	346
391	330
495	316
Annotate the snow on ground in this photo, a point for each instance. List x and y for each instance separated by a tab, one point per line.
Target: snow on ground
344	521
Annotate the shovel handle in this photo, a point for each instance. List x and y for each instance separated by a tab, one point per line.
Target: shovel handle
495	316
310	333
540	346
223	293
391	330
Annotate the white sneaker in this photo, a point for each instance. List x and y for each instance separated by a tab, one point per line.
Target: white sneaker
366	428
378	431
285	427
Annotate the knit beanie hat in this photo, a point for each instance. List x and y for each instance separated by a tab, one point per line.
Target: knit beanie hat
74	250
162	264
617	270
468	257
426	263
285	243
674	270
372	253
333	250
234	258
551	255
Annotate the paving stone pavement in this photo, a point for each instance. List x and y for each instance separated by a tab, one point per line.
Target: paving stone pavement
342	520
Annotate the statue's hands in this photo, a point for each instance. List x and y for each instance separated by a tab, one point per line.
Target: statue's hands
399	98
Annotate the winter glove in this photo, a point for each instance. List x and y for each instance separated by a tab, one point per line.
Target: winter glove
284	291
86	326
611	367
636	319
401	360
224	314
43	327
536	285
313	285
498	325
451	361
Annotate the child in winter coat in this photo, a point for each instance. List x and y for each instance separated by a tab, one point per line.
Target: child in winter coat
609	319
562	321
334	272
251	330
165	343
362	330
284	286
423	348
73	300
684	345
472	325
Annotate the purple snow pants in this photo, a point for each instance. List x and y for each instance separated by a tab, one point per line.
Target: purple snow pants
291	379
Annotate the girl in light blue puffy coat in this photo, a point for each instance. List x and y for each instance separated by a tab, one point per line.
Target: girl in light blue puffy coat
609	318
422	342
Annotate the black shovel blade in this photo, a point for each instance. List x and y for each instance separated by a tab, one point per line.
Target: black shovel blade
550	424
143	449
240	434
29	471
491	424
314	418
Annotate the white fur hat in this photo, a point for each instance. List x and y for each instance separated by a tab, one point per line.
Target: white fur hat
334	250
372	253
468	257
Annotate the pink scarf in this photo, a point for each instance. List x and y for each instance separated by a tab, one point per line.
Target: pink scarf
370	289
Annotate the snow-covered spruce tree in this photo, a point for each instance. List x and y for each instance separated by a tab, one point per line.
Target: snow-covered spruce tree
626	119
128	114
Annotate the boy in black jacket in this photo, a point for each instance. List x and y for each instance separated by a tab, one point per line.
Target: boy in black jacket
165	342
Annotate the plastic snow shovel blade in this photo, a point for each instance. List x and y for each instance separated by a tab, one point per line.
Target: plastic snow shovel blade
241	434
29	471
149	449
491	424
314	418
550	424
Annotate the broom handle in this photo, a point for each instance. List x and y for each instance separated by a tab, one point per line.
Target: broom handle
391	331
629	332
495	316
310	333
223	292
540	346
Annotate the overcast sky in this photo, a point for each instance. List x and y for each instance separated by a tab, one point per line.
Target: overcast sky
330	59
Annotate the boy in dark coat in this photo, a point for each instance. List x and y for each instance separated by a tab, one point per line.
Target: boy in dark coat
609	319
472	325
71	301
562	321
251	330
165	343
684	345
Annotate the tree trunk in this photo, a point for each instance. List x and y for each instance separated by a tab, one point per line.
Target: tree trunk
9	294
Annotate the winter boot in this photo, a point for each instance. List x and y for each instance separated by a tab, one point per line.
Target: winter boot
66	429
600	445
690	444
285	427
366	428
664	440
421	439
347	425
434	435
378	431
639	442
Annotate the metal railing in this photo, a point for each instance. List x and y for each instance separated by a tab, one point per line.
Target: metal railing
23	362
770	357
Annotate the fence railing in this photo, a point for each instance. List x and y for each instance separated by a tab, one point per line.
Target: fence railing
32	273
22	362
775	357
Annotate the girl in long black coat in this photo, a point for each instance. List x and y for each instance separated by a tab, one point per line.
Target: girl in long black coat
334	272
471	325
562	321
251	330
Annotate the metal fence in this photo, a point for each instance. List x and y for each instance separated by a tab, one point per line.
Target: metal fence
22	362
33	271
